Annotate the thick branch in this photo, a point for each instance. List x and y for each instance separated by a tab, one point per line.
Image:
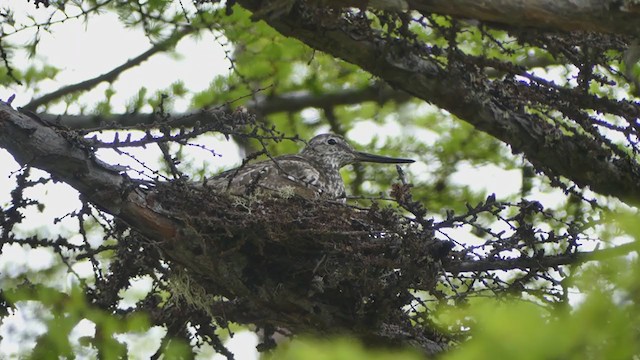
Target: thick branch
34	143
290	102
577	157
606	16
111	75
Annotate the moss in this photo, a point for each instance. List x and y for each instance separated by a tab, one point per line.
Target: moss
183	287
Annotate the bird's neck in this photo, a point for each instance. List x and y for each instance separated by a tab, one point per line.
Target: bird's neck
328	165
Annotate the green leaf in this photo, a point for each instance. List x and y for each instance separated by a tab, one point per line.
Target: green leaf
337	349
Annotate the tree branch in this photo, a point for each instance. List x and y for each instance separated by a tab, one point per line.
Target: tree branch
67	159
404	67
542	262
606	16
296	101
290	102
111	75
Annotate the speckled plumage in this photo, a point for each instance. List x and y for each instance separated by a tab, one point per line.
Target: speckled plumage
313	173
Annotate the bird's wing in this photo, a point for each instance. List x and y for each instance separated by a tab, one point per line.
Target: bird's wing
282	174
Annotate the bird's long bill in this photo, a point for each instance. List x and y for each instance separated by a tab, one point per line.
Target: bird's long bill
364	157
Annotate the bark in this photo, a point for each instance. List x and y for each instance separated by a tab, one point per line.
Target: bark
607	16
68	159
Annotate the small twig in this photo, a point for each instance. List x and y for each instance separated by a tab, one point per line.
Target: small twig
541	262
111	75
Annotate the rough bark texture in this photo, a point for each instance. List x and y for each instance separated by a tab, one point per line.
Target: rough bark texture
68	158
609	16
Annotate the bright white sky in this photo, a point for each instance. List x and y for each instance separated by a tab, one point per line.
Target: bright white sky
87	50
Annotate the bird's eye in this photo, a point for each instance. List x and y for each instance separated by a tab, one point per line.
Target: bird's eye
332	141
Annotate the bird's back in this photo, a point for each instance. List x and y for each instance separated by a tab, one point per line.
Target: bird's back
285	176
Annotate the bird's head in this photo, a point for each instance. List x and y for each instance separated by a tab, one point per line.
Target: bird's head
334	151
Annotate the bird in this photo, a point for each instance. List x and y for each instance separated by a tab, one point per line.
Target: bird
313	173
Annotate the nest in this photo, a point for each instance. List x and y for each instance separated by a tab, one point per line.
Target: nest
299	264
